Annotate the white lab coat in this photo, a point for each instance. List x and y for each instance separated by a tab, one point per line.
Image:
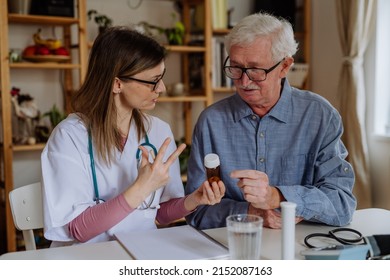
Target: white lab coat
67	182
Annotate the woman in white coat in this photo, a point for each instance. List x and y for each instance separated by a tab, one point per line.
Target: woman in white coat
101	170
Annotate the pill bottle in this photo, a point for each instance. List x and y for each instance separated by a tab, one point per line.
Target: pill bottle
212	165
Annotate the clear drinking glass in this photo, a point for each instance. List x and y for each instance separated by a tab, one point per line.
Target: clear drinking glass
244	236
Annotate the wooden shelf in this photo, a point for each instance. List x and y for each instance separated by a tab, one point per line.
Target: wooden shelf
221	32
26	148
188	53
178	49
224	90
44	65
46	20
185	49
71	81
182	98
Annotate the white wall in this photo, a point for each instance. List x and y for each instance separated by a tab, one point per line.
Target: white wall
379	145
326	53
326	65
325	68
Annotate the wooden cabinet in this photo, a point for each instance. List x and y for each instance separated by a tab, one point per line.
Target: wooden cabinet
72	27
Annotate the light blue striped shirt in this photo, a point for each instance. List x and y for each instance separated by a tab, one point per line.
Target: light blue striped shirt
297	144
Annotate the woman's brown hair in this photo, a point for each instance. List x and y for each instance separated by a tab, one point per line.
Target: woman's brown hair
118	51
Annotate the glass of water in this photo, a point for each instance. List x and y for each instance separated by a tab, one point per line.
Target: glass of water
244	236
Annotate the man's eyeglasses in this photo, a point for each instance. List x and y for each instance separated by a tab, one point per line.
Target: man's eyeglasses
154	83
253	73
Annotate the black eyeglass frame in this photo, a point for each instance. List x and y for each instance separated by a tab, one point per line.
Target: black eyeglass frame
154	83
245	69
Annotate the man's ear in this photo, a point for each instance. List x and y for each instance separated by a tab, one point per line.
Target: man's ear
286	65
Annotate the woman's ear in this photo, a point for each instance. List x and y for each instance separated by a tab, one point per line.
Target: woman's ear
117	87
286	65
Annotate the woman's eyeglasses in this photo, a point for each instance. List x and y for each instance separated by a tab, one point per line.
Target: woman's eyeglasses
154	83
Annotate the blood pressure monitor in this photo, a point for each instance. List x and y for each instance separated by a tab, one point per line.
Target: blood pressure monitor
337	252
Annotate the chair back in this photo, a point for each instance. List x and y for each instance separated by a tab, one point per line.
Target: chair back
27	211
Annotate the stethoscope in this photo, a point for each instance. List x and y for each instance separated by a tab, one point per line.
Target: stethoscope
153	153
357	237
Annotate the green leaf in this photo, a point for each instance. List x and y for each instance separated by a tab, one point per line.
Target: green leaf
55	116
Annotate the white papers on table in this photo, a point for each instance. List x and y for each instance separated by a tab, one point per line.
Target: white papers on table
173	243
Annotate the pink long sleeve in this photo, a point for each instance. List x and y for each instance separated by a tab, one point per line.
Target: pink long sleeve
171	210
99	218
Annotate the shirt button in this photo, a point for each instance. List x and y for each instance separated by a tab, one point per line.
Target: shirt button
262	160
346	169
254	117
261	135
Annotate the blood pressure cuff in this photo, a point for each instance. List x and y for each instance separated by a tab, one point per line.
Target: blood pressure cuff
380	245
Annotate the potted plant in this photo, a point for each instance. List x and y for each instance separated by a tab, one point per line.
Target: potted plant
184	156
101	20
55	116
173	34
42	132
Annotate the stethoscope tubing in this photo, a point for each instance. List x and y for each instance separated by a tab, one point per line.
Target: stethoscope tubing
332	235
97	198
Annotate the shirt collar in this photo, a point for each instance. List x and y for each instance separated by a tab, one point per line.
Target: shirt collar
280	111
240	108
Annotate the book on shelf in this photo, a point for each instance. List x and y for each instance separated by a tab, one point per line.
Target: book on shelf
219	14
216	58
196	71
172	243
197	17
219	56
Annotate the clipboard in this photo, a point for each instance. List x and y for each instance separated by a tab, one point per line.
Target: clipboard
173	243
